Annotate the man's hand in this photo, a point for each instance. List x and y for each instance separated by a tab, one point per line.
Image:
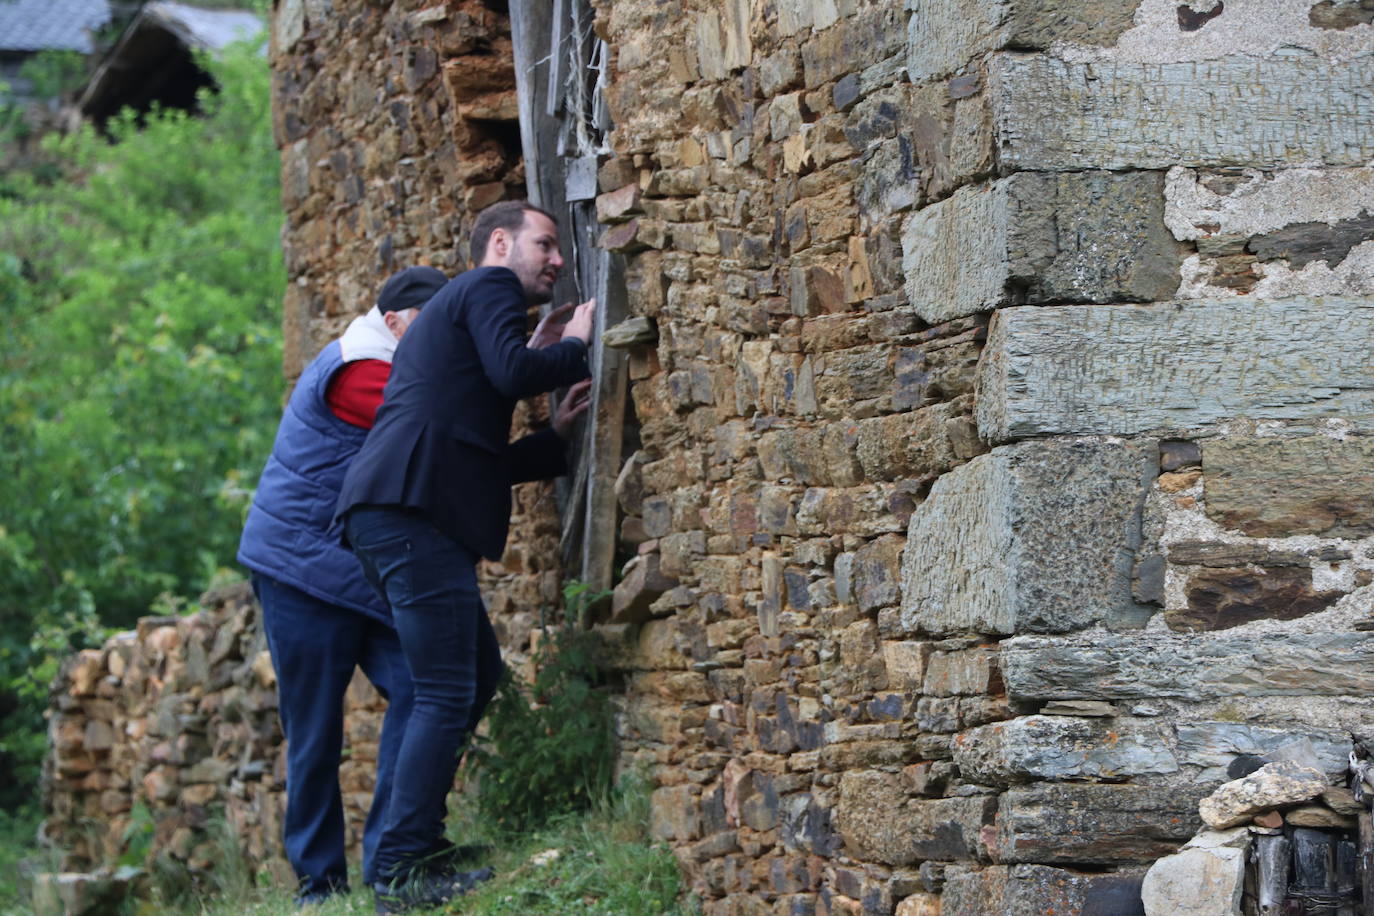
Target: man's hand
550	328
574	404
580	326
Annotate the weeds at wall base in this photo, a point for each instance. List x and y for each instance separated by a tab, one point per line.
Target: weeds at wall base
599	863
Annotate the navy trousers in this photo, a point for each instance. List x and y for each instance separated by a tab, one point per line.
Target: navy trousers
315	646
430	581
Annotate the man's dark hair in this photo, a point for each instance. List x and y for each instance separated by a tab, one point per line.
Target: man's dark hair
508	215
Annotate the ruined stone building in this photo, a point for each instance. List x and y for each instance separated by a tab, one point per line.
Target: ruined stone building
985	463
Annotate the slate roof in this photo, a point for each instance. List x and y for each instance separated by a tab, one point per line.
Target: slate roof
209	29
39	25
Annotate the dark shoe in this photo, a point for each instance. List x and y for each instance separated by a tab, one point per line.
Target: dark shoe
426	890
313	895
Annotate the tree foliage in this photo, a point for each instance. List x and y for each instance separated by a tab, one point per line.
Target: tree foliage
139	373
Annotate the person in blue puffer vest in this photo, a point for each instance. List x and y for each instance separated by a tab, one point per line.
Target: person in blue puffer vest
321	617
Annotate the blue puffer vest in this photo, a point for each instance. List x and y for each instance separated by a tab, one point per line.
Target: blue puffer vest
290	534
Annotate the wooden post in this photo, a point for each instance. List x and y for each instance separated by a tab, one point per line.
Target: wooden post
1366	863
1272	856
1347	855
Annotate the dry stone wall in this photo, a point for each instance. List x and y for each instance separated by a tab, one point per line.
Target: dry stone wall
990	668
168	729
1003	445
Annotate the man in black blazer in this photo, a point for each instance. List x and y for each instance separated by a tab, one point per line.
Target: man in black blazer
429	494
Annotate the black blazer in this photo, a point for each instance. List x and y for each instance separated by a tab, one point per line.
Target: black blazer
441	444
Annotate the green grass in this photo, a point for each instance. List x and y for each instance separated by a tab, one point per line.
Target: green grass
601	863
18	832
604	865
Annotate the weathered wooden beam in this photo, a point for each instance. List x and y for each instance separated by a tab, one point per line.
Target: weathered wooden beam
604	432
1272	855
1366	863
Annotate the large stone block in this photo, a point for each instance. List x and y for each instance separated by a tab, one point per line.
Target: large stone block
1282	487
1094	824
1032	538
944	37
1192	667
1037	890
1041	237
1197	881
1240	110
1056	748
1102	369
879	820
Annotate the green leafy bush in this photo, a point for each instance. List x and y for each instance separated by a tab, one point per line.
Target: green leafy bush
550	745
140	376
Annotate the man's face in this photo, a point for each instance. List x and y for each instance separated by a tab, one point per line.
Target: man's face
533	255
398	321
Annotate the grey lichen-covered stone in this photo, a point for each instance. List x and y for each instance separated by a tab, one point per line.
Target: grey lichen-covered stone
1192	667
1095	369
1041	237
1213	745
1056	748
631	332
1037	890
1197	881
1272	785
1032	538
1051	114
878	819
1282	487
1093	824
944	37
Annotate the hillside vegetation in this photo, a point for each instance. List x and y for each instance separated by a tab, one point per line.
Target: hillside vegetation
140	287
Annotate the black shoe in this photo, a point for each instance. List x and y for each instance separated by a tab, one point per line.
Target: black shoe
311	896
426	890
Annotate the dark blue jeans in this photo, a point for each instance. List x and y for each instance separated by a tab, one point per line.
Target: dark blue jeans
315	646
430	581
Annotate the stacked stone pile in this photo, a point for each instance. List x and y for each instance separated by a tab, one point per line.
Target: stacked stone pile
180	717
1279	840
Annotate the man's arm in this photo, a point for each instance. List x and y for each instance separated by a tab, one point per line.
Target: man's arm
496	321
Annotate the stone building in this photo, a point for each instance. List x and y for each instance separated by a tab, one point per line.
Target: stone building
988	456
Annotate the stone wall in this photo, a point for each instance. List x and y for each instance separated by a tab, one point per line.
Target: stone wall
179	718
1004	461
1005	433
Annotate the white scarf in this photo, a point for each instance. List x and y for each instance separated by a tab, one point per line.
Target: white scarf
368	337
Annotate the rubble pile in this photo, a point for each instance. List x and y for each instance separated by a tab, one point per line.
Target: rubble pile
1279	841
169	728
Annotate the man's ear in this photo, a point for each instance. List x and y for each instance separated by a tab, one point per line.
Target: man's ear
390	319
499	245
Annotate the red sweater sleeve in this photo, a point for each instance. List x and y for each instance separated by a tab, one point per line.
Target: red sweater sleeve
355	391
